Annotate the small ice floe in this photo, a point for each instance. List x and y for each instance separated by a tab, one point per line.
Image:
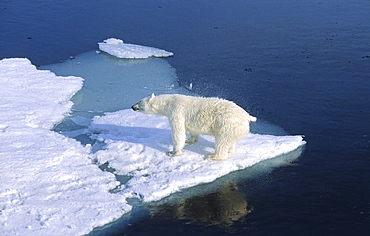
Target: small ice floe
118	48
189	87
136	145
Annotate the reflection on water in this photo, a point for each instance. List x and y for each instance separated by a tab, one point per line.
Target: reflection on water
222	207
219	203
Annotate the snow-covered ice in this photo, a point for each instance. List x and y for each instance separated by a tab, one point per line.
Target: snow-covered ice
48	184
118	48
52	184
33	98
136	146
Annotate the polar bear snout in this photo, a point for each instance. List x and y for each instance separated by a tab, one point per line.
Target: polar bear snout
135	107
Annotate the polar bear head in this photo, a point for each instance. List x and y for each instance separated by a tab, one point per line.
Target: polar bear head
149	105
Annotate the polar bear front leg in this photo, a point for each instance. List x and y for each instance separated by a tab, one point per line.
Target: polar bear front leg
178	139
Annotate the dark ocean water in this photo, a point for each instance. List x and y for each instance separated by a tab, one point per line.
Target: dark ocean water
302	65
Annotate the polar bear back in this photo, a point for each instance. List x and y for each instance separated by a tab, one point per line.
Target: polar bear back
205	115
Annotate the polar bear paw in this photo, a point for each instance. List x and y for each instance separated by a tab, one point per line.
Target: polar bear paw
173	153
190	141
193	138
214	157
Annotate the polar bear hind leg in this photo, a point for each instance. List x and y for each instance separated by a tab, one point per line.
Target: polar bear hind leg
194	137
232	148
225	142
222	147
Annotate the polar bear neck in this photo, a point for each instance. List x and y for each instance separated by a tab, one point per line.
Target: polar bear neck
159	105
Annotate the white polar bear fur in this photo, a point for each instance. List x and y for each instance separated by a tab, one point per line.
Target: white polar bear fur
197	115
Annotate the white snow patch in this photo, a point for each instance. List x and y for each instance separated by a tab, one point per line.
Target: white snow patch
118	48
136	144
26	92
48	184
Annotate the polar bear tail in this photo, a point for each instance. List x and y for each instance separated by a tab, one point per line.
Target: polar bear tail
252	118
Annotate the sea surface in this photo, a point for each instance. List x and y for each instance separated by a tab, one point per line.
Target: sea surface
301	65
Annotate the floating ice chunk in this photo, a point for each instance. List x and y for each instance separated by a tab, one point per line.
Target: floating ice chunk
190	87
113	41
136	146
48	184
118	48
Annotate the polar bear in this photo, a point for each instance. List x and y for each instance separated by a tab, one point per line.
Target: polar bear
198	115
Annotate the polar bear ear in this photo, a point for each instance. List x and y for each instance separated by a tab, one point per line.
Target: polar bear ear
151	97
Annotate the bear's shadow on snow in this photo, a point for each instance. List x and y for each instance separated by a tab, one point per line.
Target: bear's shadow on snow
156	138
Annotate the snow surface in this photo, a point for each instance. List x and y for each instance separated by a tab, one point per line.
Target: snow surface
52	185
118	48
26	92
136	146
48	184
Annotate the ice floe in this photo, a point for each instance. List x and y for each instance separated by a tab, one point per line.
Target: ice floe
34	98
118	48
48	184
136	144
